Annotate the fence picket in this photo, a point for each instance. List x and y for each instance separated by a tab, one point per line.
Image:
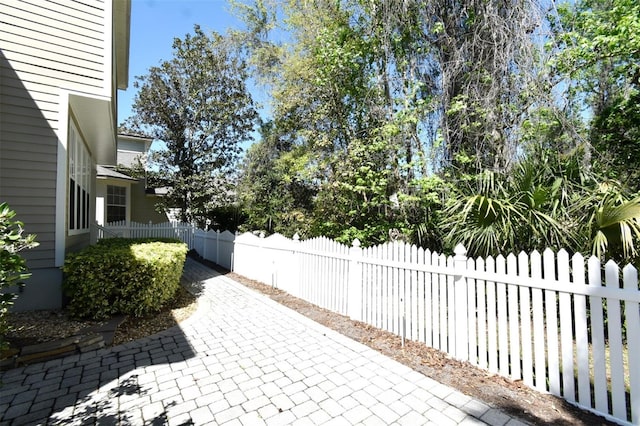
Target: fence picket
460	313
503	329
632	312
566	330
527	316
435	303
600	389
582	338
539	343
514	323
616	363
552	324
414	295
428	297
492	315
367	281
482	316
395	287
403	293
450	310
472	315
381	274
388	289
370	254
375	288
443	306
525	321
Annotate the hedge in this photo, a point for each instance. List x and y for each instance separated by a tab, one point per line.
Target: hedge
123	276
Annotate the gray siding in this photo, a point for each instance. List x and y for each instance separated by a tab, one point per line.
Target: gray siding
28	154
130	151
63	41
143	206
129	158
45	47
129	145
43	291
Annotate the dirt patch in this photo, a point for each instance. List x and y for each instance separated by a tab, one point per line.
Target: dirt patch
181	307
33	327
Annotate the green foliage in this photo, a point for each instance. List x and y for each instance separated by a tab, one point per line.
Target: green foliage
599	56
274	190
610	222
198	105
616	135
226	218
399	120
13	267
363	98
548	200
123	276
596	32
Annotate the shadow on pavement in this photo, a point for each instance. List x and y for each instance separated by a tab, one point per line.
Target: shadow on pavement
117	385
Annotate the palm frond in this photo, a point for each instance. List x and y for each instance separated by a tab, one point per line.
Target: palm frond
617	224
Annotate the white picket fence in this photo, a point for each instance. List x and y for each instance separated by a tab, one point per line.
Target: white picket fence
552	321
215	246
545	319
123	229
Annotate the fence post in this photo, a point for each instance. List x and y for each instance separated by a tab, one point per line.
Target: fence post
354	302
232	267
203	234
460	303
217	247
295	267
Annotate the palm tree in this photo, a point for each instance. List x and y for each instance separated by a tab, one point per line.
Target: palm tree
506	213
614	222
547	200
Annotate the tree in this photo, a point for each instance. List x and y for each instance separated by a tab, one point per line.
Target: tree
549	199
273	190
13	267
198	104
370	92
599	53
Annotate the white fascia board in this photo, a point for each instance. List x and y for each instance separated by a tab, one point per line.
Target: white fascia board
94	115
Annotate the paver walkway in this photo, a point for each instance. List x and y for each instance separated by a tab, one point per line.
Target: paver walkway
241	359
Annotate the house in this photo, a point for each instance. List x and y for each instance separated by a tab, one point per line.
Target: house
62	63
120	197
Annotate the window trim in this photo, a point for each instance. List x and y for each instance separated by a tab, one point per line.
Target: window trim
79	183
111	204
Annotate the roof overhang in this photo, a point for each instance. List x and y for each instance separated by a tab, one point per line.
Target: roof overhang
94	117
107	173
157	192
121	29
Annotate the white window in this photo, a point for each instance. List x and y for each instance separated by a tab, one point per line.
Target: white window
79	183
116	203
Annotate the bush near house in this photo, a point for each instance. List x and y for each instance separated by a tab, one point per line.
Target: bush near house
123	276
13	267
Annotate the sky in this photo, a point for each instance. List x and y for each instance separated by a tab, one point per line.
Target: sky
154	25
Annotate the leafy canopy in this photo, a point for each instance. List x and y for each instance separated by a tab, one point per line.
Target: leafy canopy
198	104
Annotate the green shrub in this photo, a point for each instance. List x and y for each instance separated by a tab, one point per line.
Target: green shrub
13	267
123	276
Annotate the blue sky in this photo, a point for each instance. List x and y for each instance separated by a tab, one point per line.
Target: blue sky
154	25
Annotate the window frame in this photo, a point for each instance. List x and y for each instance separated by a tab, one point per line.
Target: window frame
111	202
79	183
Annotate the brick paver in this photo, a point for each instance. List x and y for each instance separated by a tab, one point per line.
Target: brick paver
240	359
